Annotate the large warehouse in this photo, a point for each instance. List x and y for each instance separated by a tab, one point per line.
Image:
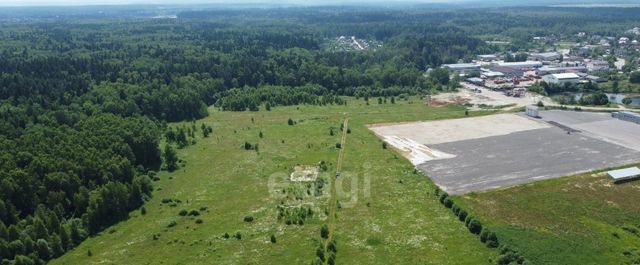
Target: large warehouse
462	67
561	78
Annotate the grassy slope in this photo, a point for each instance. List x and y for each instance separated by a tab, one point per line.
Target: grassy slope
400	222
571	220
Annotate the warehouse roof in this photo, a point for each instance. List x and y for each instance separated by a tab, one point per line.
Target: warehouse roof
461	65
492	74
520	64
566	76
624	174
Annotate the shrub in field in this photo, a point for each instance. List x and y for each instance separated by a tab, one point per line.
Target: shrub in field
484	234
324	231
467	220
332	246
320	253
462	215
443	196
448	202
248	219
492	240
455	209
474	226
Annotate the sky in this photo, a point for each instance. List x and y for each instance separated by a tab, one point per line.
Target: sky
163	2
295	2
123	2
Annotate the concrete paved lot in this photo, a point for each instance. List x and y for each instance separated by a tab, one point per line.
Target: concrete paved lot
521	157
443	131
598	125
510	149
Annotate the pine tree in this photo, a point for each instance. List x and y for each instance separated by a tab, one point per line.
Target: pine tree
170	158
40	230
56	245
65	239
4	232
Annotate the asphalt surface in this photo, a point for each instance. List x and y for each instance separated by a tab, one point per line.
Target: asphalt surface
524	157
598	125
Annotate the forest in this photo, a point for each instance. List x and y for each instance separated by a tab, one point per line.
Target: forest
85	101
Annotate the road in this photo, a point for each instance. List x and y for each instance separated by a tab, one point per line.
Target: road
495	98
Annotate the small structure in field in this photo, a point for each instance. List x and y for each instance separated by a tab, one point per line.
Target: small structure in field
627	116
624	174
304	173
532	111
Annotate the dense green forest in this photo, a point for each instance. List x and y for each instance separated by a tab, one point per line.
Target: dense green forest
84	100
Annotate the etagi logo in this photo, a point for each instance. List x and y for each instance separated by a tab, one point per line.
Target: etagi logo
350	187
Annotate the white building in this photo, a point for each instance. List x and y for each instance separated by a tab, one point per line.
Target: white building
545	56
623	40
462	67
561	78
597	66
487	57
520	65
492	74
563	69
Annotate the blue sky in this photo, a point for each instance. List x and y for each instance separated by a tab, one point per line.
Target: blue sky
121	2
298	2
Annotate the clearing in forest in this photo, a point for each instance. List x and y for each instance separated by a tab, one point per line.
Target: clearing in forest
386	211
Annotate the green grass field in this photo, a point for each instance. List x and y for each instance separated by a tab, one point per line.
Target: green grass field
387	213
573	220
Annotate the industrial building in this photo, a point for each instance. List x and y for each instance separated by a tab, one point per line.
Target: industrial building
594	78
561	78
492	74
545	56
487	57
476	81
520	65
508	71
545	70
627	116
462	67
598	66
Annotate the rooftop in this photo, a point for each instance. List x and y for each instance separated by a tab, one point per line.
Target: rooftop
526	63
460	65
566	76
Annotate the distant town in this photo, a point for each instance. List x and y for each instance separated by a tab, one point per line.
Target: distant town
590	59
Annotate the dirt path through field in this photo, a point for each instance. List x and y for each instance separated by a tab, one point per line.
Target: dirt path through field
333	203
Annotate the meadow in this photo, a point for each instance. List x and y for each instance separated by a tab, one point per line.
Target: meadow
232	196
584	219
